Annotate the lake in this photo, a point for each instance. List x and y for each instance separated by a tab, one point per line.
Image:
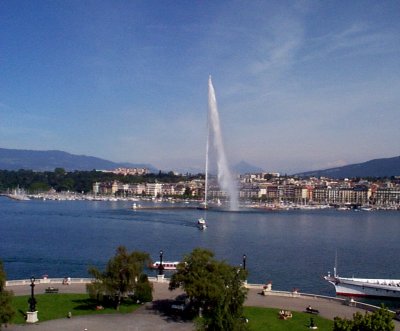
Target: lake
293	249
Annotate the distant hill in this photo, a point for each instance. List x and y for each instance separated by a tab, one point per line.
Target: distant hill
15	159
375	168
245	168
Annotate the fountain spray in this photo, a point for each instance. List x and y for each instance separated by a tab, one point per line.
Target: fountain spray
225	178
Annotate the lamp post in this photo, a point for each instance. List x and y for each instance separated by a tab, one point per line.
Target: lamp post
32	300
244	261
161	267
31	315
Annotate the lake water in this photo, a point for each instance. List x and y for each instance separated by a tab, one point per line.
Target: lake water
293	249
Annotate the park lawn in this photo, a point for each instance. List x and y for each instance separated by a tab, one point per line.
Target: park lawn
55	306
266	319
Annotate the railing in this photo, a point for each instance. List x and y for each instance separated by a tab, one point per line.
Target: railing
49	281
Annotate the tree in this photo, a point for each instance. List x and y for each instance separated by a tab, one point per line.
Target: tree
143	289
379	320
6	309
215	288
120	277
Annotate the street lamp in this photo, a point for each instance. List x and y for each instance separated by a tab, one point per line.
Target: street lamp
32	300
244	261
161	267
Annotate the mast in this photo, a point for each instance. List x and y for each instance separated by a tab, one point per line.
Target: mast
335	267
206	179
207	151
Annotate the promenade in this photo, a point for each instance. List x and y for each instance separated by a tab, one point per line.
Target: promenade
151	317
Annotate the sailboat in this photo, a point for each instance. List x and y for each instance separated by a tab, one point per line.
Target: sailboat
201	222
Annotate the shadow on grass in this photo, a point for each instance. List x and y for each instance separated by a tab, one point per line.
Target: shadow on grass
23	313
163	307
94	305
85	304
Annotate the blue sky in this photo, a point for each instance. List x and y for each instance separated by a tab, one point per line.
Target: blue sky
301	85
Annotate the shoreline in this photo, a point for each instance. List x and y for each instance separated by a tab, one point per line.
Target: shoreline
329	307
195	204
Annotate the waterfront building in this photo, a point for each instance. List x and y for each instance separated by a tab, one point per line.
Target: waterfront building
387	196
272	189
131	171
320	195
251	192
154	189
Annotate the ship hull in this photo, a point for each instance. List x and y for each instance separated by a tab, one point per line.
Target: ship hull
371	288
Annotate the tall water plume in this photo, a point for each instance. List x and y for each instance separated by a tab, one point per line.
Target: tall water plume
225	178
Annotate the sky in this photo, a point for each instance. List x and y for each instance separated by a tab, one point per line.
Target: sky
300	85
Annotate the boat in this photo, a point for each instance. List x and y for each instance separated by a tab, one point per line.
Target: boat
18	194
167	265
135	206
365	287
366	208
201	223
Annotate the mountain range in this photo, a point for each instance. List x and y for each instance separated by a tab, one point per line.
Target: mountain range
15	159
385	167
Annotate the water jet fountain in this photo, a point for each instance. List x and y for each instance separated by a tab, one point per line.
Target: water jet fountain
225	178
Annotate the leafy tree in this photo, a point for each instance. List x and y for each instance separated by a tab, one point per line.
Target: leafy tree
143	289
77	181
379	320
38	187
120	277
215	288
6	309
59	172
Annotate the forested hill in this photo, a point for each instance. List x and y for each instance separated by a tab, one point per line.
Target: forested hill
375	168
15	159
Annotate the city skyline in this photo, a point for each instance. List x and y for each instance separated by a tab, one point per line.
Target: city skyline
300	85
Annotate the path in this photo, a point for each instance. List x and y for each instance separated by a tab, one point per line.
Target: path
147	318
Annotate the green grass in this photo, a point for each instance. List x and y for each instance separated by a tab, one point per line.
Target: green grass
54	306
266	319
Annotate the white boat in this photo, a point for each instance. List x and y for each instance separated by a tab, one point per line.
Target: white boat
365	287
366	208
135	206
18	194
167	265
201	223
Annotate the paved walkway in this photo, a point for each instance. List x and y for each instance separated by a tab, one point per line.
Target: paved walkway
150	316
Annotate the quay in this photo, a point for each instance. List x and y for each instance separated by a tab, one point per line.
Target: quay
149	317
139	207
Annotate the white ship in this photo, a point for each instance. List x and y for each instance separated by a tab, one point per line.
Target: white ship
365	287
167	265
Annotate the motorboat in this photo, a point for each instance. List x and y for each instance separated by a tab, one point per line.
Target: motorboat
201	223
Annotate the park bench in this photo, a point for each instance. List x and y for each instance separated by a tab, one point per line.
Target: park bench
51	290
312	311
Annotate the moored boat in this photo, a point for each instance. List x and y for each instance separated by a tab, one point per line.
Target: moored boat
365	287
167	265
